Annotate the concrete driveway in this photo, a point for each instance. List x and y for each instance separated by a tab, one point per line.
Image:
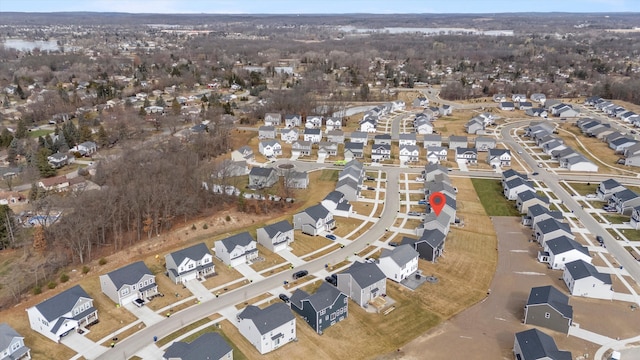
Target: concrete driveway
82	345
144	313
198	290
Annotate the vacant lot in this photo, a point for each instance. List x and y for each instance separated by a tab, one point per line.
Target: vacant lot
580	188
491	196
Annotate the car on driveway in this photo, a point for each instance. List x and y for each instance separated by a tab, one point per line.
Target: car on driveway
332	280
370	188
370	178
535	173
299	274
330	237
138	302
422	202
284	298
413	213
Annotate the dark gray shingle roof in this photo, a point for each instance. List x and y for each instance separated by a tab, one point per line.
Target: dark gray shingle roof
269	318
535	344
241	239
129	274
401	255
195	252
62	303
563	244
279	227
552	296
324	297
317	212
365	274
208	346
7	334
580	269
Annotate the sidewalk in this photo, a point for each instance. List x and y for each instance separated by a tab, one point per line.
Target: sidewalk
589	336
291	258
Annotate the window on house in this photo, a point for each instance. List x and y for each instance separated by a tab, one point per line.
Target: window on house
333	316
547	315
15	346
125	291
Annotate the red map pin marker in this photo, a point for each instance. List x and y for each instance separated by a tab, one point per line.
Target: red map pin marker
437	201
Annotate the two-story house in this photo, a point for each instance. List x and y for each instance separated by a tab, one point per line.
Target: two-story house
272	119
209	346
301	148
407	139
276	237
550	229
267	329
263	177
324	308
399	263
292	120
57	316
236	249
583	279
266	132
289	135
362	282
380	152
194	262
270	148
129	283
467	155
499	157
409	153
313	122
484	143
550	308
12	344
562	250
314	220
333	123
313	135
353	150
436	154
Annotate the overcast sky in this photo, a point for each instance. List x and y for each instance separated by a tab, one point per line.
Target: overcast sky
320	6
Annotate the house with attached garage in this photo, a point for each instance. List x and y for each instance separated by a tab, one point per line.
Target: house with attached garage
289	135
607	188
484	143
539	212
499	157
540	112
420	101
266	132
467	155
499	98
85	149
349	187
561	250
538	97
335	136
362	282
301	148
624	201
12	344
583	279
210	346
430	246
354	171
314	220
553	145
68	311
59	160
267	329
549	229
528	198
359	137
432	221
423	126
430	140
407	139
353	150
263	177
129	283
382	139
326	307
436	154
409	153
313	122
518	97
313	135
333	123
445	110
368	126
432	170
515	186
270	148
439	186
474	126
549	308
525	105
292	120
236	249
457	142
276	237
533	344
621	143
399	263
336	203
194	262
635	218
296	179
245	153
507	106
380	152
326	149
272	119
511	174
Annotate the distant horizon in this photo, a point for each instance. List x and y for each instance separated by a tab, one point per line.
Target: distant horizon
326	7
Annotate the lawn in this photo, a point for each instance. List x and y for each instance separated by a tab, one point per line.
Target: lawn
347	225
492	198
38	133
580	188
616	219
304	244
237	354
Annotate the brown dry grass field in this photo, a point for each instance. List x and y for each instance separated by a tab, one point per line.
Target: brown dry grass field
454	123
346	225
304	244
271	259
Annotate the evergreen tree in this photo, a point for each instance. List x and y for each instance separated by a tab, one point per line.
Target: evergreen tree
103	137
71	133
49	143
175	107
20	92
60	144
147	103
85	133
6	137
21	129
7	227
142	112
45	169
33	194
12	152
160	101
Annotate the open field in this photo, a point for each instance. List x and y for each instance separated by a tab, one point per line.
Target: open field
492	198
581	188
304	244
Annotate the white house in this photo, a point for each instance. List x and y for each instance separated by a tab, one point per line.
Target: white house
583	279
272	119
276	237
399	263
313	135
436	154
126	284
380	152
548	229
12	344
499	157
313	122
237	249
362	282
270	148
269	328
58	316
562	250
292	120
333	123
194	262
289	135
409	153
314	220
407	139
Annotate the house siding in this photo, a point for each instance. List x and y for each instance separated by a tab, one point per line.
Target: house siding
536	315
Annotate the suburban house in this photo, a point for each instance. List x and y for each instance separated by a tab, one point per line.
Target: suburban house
335	136
499	98
129	283
533	344
246	153
538	97
430	246
349	187
289	135
420	101
529	198
313	135
353	150
457	142
474	126
326	149
515	186
333	123
269	328
467	155
507	106
583	279
562	250
59	160
511	174
423	126
499	157
336	203
292	120
368	126
525	105
624	201
539	212
194	262
263	177
549	308
210	346
433	170
236	249
407	139
86	148
266	132
550	229
65	312
439	186
431	221
484	143
272	119
436	154
276	237
541	112
382	139
399	263
518	97
432	140
270	148
380	152
296	179
301	148
12	344
409	153
314	220
362	282
324	308
578	163
359	137
635	218
313	122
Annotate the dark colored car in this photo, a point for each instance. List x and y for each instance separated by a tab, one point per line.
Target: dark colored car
599	239
299	274
331	280
284	298
535	173
330	237
370	188
370	178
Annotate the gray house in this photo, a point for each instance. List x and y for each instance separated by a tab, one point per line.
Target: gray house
335	136
209	345
236	249
362	282
301	148
382	139
324	308
353	150
359	137
129	283
349	188
296	179
263	177
272	119
432	140
266	132
430	245
12	344
484	143
549	308
457	142
533	344
276	237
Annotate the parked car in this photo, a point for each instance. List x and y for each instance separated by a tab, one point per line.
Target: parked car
422	202
535	173
599	239
284	298
370	178
138	302
299	274
393	244
330	237
413	213
331	280
419	178
591	196
370	188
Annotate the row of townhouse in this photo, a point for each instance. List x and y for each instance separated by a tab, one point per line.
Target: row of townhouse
621	199
295	120
518	98
620	143
543	134
613	110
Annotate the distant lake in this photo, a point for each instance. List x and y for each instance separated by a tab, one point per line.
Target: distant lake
28	45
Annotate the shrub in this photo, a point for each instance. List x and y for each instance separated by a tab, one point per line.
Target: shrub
102	261
52	284
64	278
193	227
205	226
37	290
85	269
228	218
